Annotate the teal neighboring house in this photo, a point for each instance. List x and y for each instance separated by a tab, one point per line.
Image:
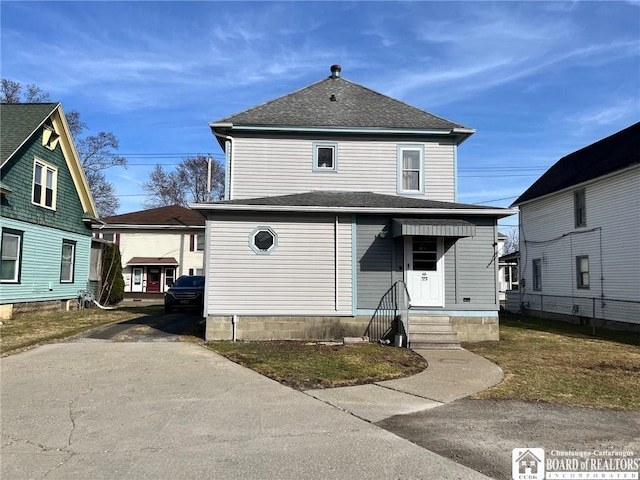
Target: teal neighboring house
46	211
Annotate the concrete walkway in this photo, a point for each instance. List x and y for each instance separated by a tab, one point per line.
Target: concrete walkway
451	374
173	410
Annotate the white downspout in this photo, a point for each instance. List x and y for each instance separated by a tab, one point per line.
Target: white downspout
234	321
336	264
229	194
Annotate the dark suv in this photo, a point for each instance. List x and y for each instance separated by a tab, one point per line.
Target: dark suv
186	292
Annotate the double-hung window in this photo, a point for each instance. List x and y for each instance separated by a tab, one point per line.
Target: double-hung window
537	274
579	208
582	271
11	252
325	157
67	262
44	184
196	242
410	169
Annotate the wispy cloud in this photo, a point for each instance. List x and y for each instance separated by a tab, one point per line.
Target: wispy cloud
624	109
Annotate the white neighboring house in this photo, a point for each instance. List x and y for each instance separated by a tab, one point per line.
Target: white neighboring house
157	246
580	233
507	269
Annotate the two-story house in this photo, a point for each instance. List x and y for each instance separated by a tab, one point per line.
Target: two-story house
334	194
157	246
47	212
580	234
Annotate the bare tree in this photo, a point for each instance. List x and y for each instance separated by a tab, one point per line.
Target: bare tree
186	184
10	91
35	95
512	242
163	189
97	152
76	126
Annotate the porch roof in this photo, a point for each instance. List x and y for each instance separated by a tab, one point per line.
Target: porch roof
169	261
432	227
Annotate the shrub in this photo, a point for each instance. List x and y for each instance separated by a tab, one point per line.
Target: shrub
112	291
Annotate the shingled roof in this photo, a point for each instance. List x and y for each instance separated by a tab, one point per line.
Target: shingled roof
335	102
609	155
320	201
162	216
19	121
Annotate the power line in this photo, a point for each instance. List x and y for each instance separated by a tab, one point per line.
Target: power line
498	199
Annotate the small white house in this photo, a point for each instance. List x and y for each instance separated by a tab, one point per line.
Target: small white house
580	233
337	199
157	246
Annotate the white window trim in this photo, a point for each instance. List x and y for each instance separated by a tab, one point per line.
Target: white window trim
579	272
199	237
400	149
536	286
315	166
43	192
580	195
18	260
72	270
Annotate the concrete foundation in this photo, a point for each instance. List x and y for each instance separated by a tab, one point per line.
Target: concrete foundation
476	329
468	329
285	328
15	310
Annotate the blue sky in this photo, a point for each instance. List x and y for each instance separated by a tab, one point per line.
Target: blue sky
537	80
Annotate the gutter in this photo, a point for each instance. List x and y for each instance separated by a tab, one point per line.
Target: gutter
228	191
501	212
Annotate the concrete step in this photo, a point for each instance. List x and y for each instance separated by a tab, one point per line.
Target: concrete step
422	319
430	327
445	337
432	332
435	345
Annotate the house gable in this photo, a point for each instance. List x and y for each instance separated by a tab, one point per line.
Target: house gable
337	103
51	146
377	143
609	155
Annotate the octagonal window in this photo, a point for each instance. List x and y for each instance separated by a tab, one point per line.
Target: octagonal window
263	240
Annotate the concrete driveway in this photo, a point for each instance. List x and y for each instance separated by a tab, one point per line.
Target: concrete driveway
171	410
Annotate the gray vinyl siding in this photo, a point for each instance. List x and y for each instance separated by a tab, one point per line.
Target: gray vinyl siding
297	278
470	269
611	240
469	263
271	166
375	258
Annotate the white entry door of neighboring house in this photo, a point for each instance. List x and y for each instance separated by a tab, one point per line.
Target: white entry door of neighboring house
136	279
424	270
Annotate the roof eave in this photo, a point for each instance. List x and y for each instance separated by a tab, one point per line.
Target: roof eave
129	226
519	202
225	128
495	212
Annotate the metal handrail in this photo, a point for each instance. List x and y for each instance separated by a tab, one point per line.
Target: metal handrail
392	315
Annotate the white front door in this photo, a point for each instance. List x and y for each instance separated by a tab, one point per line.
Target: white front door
136	279
424	272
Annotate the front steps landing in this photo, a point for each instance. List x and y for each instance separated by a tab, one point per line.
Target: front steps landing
432	332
